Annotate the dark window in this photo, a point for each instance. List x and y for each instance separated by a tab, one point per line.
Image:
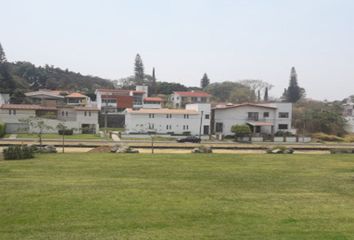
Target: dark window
89	114
219	127
85	113
207	116
253	116
266	114
66	113
283	115
283	126
151	115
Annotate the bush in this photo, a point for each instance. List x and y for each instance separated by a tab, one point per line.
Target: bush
186	133
2	130
66	132
241	130
327	137
16	152
341	151
283	133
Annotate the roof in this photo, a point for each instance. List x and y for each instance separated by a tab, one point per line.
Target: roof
26	107
153	99
245	104
193	94
55	94
260	123
161	111
114	91
86	109
76	95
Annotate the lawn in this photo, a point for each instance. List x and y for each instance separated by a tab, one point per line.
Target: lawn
111	196
57	136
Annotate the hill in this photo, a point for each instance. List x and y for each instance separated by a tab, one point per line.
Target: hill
28	77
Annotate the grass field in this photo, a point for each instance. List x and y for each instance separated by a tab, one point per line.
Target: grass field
111	196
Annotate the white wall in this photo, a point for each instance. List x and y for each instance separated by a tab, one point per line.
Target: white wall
202	107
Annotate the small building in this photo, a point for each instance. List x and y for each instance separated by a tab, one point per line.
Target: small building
348	114
266	118
152	102
77	99
181	99
4	98
167	121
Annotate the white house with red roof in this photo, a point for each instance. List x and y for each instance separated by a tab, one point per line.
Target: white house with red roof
181	99
265	118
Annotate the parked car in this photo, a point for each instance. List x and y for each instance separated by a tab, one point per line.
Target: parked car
192	139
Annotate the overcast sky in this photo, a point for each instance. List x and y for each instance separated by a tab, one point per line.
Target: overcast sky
230	40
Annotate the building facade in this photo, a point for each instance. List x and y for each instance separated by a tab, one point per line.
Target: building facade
181	99
267	118
169	121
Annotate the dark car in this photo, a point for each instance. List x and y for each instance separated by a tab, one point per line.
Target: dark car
192	139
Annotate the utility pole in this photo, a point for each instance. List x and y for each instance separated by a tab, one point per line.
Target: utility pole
105	118
201	122
152	144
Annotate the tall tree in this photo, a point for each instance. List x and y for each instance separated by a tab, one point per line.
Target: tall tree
2	55
266	97
205	81
294	92
139	70
259	96
153	83
7	84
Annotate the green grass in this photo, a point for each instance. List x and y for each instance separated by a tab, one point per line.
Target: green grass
57	136
112	196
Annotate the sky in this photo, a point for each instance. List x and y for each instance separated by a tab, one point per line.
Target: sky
230	40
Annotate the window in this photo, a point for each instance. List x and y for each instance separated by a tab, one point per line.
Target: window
89	114
151	115
283	115
66	113
62	113
13	112
283	126
168	115
151	126
194	99
85	113
219	127
168	127
207	116
266	114
186	116
253	116
185	127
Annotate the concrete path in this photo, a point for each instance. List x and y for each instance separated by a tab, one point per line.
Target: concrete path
13	136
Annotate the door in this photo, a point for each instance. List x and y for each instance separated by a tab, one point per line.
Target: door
206	130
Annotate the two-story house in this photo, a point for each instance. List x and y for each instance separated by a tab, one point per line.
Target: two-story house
267	118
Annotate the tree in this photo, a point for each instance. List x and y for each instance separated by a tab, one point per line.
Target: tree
63	130
241	130
266	97
38	126
168	87
2	55
231	92
258	96
294	92
139	70
7	84
204	82
153	83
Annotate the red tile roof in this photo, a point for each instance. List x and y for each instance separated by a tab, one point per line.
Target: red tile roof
26	107
153	99
193	94
161	111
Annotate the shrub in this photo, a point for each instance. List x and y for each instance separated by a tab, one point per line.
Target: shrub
186	133
2	130
341	151
241	130
327	137
66	132
16	152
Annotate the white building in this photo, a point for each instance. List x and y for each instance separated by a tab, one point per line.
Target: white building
81	119
181	99
4	98
177	121
152	102
349	114
266	118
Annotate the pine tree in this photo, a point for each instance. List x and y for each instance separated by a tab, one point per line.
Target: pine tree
266	94
259	95
139	70
204	82
7	84
153	83
2	55
294	92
